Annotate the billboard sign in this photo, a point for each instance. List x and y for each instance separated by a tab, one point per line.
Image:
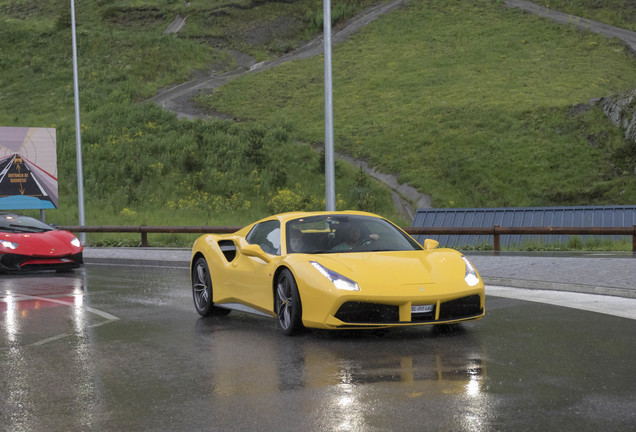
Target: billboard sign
28	168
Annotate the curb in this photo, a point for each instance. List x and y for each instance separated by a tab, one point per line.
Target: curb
559	286
137	262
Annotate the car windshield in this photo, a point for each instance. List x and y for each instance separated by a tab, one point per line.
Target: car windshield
21	224
345	233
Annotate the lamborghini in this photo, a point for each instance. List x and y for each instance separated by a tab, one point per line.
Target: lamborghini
28	244
333	270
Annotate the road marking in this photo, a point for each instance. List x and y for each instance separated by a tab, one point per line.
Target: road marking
185	265
53	300
609	305
109	318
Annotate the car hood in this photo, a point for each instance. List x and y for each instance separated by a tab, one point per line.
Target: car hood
46	244
396	268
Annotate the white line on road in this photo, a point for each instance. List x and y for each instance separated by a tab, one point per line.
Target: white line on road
108	317
609	305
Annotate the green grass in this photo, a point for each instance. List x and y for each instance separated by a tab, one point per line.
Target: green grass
618	13
470	102
574	243
262	28
142	165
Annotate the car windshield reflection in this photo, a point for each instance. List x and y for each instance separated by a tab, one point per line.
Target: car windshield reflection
21	224
344	234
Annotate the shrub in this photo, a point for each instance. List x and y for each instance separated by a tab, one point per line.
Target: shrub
286	200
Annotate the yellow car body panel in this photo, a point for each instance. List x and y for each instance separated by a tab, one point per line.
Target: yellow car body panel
392	281
245	280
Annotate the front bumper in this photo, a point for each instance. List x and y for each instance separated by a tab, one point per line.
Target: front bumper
437	304
16	263
353	314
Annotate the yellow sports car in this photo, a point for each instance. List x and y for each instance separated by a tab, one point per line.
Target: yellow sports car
333	270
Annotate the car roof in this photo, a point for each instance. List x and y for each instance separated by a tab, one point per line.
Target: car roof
284	217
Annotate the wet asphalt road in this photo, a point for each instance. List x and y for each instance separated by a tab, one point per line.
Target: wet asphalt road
120	348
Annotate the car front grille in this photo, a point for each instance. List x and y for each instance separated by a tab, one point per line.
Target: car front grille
461	308
375	313
368	313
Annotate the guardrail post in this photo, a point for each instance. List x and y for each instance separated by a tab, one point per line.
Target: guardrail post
144	236
496	241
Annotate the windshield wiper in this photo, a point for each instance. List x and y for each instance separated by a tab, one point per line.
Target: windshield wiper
11	230
27	228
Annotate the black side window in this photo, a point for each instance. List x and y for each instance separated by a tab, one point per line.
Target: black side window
267	236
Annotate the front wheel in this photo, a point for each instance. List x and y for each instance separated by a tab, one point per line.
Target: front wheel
288	306
202	290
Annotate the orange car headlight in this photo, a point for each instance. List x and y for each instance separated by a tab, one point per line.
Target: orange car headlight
338	280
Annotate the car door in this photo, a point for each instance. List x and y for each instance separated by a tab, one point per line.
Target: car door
252	276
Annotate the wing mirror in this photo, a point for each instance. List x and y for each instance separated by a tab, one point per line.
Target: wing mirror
430	244
254	250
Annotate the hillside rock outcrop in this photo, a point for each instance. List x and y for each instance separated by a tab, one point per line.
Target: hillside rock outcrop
621	110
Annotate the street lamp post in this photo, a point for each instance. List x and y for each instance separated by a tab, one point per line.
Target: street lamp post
78	133
330	188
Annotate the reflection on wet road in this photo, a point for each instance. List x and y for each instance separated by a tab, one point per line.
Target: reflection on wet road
121	348
66	292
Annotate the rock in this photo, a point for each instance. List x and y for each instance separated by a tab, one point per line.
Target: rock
621	110
630	133
176	25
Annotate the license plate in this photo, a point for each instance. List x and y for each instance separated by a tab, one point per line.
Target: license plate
422	309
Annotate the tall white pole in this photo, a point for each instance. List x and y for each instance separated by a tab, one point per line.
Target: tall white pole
330	188
78	132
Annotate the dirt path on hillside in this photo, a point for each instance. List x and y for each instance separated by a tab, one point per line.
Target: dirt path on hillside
627	36
405	198
173	99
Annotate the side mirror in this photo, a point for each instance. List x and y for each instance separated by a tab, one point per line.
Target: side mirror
430	244
254	250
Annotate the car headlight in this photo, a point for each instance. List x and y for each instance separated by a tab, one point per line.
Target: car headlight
470	276
75	242
8	244
339	281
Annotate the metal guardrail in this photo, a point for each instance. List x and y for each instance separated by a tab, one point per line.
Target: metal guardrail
145	229
496	231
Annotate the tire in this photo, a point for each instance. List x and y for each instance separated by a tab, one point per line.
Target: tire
288	305
202	290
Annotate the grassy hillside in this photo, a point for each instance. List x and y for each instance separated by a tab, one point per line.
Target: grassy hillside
471	102
618	13
142	165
